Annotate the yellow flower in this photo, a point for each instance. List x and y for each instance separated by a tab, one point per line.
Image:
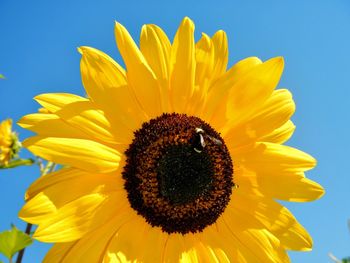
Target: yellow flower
175	159
9	144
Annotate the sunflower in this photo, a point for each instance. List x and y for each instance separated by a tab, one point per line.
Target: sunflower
175	159
9	144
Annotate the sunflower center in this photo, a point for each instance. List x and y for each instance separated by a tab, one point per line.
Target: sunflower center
184	174
178	173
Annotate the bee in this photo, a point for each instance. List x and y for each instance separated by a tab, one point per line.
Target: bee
200	143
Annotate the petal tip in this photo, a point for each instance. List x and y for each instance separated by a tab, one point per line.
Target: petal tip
220	34
145	30
321	192
276	63
21	122
279	61
118	27
187	22
80	50
86	50
83	49
41	97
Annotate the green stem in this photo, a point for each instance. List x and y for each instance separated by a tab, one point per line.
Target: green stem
21	253
16	163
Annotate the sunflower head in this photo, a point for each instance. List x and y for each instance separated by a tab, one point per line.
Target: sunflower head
9	142
178	173
174	159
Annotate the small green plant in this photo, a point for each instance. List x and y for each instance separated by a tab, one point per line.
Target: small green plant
13	241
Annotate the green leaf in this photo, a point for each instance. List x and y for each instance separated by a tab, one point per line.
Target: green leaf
17	162
2	76
12	241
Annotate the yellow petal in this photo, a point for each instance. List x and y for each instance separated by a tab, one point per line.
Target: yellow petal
238	70
276	111
140	75
281	134
71	221
211	62
274	158
255	242
39	207
285	185
291	189
74	120
157	238
218	91
221	243
174	248
204	68
84	154
182	248
190	256
296	238
204	60
166	45
57	252
81	115
81	215
250	91
183	66
208	254
55	101
106	84
43	110
49	124
155	47
94	244
6	139
221	54
191	253
276	218
128	241
6	127
82	182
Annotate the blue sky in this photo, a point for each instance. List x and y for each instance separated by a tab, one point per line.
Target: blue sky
38	55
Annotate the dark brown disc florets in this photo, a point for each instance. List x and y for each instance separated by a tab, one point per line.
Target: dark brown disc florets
178	173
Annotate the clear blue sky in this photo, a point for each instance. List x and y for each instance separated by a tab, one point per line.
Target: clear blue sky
38	41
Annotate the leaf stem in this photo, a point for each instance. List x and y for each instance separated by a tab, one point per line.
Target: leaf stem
17	162
21	253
